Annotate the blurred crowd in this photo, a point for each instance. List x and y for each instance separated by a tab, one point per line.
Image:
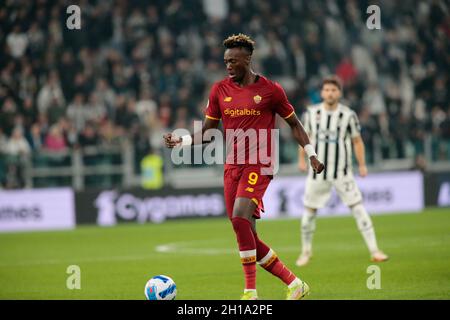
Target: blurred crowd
138	69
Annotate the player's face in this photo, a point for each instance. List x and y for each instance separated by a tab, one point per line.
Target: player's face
237	61
330	93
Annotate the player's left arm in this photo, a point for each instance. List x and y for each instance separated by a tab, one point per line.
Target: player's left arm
360	155
302	138
358	145
285	109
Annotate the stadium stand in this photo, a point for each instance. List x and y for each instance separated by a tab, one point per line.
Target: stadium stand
135	71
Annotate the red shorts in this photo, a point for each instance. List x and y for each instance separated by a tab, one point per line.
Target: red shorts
245	181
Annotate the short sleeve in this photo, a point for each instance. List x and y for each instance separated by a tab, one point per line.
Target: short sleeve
212	108
282	106
355	128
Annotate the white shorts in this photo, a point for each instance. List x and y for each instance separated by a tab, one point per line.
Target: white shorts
318	192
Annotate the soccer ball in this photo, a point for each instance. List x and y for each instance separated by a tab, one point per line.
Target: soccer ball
160	288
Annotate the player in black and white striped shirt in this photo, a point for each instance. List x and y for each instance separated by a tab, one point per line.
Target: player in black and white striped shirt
333	129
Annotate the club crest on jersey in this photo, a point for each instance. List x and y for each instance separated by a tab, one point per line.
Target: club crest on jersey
257	99
227	99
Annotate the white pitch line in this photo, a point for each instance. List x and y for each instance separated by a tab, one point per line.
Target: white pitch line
208	249
184	248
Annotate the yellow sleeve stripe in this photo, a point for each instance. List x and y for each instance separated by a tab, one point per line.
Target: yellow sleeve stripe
209	117
255	201
290	114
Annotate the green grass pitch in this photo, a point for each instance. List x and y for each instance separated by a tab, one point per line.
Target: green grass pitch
201	256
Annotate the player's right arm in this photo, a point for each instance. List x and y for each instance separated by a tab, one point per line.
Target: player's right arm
212	118
171	140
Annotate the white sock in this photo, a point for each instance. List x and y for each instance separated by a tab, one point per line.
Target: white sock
308	228
365	226
248	290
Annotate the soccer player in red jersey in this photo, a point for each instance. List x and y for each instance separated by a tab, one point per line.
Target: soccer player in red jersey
248	102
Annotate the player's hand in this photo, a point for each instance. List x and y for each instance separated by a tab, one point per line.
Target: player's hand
316	164
171	140
302	166
362	171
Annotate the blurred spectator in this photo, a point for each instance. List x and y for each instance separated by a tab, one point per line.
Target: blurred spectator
77	112
69	131
346	71
51	93
35	137
126	116
272	63
17	42
67	69
16	151
3	141
55	141
95	109
36	39
55	112
88	137
106	96
373	99
445	133
17	145
109	134
28	83
216	9
146	108
28	112
7	115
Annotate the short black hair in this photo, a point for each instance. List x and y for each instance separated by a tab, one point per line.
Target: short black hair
333	80
240	41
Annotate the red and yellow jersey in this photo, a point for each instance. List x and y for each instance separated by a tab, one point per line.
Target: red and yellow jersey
248	116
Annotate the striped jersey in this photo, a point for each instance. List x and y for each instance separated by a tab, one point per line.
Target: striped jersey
331	134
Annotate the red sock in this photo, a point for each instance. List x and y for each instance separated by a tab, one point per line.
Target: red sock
270	262
261	248
247	249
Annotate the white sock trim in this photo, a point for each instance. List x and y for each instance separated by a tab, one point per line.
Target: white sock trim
249	290
247	253
266	257
294	282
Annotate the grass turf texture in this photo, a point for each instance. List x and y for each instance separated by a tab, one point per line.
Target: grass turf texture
202	259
